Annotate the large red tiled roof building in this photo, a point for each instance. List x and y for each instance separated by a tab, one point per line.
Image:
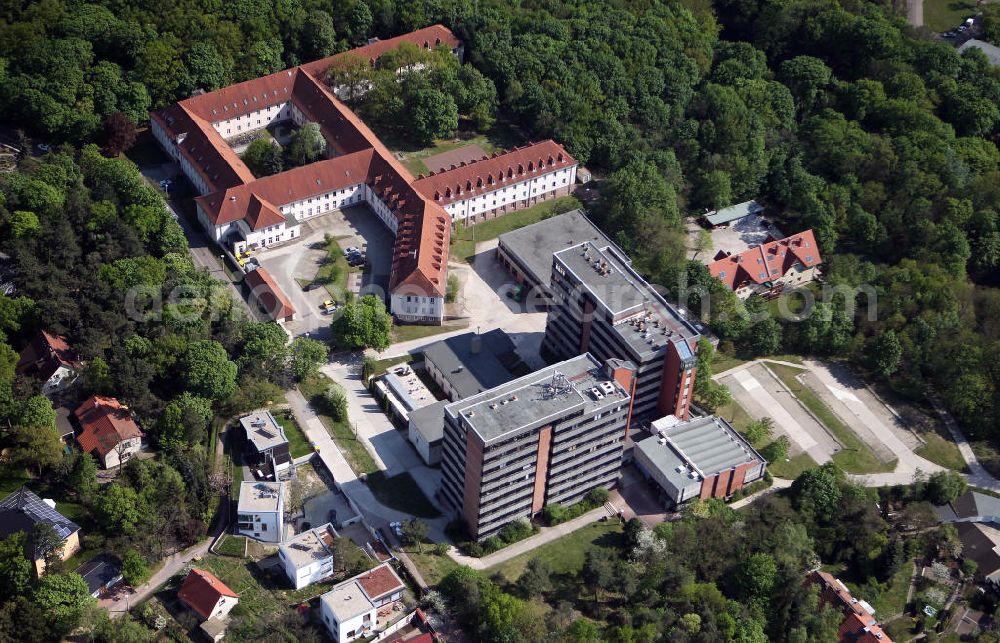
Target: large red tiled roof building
240	211
859	624
107	430
768	268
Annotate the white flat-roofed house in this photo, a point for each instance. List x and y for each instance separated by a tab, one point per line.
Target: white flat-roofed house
350	610
261	509
348	613
266	441
308	557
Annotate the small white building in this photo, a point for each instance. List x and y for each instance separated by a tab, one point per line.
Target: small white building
308	557
261	510
350	610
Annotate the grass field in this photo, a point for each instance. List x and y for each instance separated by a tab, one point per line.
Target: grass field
298	445
945	15
354	451
941	451
498	139
232	546
334	272
407	332
382	365
892	600
464	240
433	567
856	456
401	492
565	555
722	362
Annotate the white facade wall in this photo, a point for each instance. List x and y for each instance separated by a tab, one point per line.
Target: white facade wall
63	376
268	526
305	576
796	275
132	446
417	307
255	120
170	147
224	606
381	210
539	187
265	237
354	628
316	205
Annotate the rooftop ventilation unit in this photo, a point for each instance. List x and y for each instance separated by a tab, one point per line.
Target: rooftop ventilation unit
608	387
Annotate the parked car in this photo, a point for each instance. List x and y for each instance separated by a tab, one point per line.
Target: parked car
43	147
351	250
329	306
332	517
356	259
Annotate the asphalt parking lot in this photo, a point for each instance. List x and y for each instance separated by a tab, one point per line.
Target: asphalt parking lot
757	391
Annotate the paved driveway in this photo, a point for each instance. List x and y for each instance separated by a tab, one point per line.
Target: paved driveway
762	395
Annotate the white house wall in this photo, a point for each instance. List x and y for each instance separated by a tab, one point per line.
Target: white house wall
504	195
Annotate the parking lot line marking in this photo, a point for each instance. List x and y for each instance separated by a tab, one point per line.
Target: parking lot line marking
842	394
775	410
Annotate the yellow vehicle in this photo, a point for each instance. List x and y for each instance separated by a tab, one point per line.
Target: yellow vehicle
329	306
240	262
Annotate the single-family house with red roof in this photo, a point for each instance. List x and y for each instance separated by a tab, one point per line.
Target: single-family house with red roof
769	268
108	432
49	359
206	595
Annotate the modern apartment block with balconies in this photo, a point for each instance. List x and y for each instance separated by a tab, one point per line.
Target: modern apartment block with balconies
549	437
601	305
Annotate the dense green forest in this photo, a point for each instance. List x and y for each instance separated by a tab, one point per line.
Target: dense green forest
838	116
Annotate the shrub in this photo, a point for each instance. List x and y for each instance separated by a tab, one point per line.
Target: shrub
596	497
335	403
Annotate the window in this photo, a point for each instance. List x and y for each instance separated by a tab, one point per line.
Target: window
263	527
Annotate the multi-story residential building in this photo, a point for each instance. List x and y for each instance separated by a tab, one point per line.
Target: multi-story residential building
548	437
601	305
701	458
267	444
240	211
261	511
771	267
527	252
308	557
108	431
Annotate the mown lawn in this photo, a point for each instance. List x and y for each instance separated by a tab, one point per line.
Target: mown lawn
232	546
433	567
721	362
334	271
298	445
945	15
566	555
401	492
343	434
464	239
407	332
856	456
499	138
941	451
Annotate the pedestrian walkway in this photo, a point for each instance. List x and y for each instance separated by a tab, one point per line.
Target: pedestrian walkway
777	485
172	565
545	535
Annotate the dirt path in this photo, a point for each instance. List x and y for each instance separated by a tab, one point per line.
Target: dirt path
915	12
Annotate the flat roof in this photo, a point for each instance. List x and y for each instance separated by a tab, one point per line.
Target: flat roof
260	496
411	392
734	212
471	369
535	244
641	316
309	546
703	446
546	394
263	430
428	421
347	601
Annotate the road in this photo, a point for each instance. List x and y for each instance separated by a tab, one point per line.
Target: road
172	566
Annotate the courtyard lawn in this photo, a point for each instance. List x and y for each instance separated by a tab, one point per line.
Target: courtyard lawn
407	332
856	456
334	271
382	365
401	492
566	555
342	433
464	239
298	445
498	139
945	15
722	362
